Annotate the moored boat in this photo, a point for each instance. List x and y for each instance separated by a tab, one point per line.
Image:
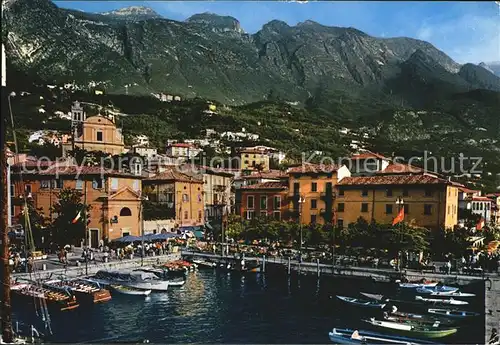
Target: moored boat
456	314
421	283
443	289
349	336
450	301
444	293
133	279
413	329
125	290
61	300
204	263
84	290
361	302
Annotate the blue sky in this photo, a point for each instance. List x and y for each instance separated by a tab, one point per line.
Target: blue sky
466	31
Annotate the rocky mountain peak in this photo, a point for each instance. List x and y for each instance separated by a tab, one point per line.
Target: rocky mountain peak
226	23
136	12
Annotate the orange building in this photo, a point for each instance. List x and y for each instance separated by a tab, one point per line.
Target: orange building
114	196
311	191
429	201
176	196
267	199
95	133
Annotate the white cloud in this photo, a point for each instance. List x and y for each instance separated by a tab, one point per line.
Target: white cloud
468	38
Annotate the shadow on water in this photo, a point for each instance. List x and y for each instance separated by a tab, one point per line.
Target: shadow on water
217	307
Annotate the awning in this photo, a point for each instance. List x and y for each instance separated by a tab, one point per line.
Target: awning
127	239
199	234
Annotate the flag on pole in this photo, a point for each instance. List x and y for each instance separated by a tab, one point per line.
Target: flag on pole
78	216
400	217
480	224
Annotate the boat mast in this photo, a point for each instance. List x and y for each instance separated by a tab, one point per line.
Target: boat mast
7	334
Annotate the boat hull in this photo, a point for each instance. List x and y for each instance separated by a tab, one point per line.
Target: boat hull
343	336
130	292
159	286
410	330
452	314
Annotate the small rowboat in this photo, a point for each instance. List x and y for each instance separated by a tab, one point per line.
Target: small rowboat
444	293
176	282
456	314
417	284
450	301
349	336
414	330
130	291
361	302
443	289
402	316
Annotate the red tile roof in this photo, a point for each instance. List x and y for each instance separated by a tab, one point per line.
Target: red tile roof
310	168
480	198
399	168
181	145
267	185
174	176
58	169
468	190
366	155
272	174
392	180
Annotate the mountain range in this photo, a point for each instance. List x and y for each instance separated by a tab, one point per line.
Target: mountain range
135	50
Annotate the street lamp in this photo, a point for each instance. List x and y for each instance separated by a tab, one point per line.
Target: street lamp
302	200
400	202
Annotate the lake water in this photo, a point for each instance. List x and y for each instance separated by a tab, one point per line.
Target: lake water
219	307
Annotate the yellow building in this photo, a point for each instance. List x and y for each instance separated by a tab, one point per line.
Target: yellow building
95	133
251	159
176	196
429	201
312	191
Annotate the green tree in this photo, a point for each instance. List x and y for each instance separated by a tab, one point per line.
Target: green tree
235	226
68	206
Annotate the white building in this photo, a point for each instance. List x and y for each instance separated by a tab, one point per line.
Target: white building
141	140
182	150
145	151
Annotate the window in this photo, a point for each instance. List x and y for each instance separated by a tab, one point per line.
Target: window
114	183
43	184
277	202
313	218
277	215
340	223
449	208
250	214
200	215
364	207
263	202
407	208
27	188
314	187
388	192
427	209
99	135
341	191
428	192
296	187
481	205
125	212
388	209
314	203
364	192
340	207
57	183
97	184
250	201
136	185
79	184
185	197
405	192
263	214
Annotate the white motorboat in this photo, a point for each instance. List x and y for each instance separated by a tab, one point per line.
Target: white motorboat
455	314
418	285
134	279
450	301
444	293
443	289
130	291
349	336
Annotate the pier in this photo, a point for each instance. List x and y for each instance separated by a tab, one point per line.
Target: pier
92	268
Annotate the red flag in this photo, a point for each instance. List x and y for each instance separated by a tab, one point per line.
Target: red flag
400	217
480	224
